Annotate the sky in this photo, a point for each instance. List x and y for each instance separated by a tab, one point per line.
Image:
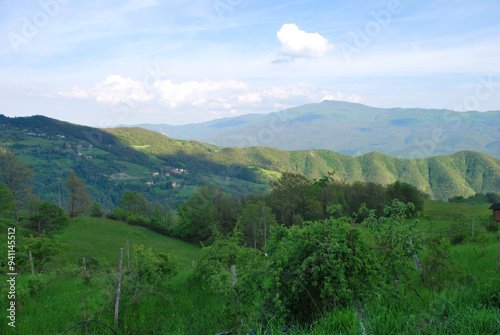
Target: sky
108	63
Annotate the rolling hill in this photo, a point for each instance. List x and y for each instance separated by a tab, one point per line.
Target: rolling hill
113	160
352	129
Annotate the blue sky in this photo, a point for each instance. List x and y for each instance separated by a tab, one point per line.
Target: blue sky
105	63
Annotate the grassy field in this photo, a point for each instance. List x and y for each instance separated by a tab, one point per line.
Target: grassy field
50	303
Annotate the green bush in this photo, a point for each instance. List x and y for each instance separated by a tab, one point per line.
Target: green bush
489	224
137	220
95	210
319	266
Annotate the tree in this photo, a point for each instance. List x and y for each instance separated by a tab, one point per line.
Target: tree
208	213
132	202
6	201
78	196
292	199
50	218
95	210
254	223
18	177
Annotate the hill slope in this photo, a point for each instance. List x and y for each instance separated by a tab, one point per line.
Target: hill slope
464	173
113	160
352	129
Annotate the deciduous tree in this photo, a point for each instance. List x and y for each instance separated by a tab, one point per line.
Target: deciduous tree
18	177
78	196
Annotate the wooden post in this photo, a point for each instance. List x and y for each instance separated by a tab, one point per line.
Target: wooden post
83	308
473	226
117	303
84	266
423	239
31	261
192	264
233	273
128	257
498	263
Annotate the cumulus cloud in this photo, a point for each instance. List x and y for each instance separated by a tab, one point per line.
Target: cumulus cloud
199	93
296	43
219	98
116	89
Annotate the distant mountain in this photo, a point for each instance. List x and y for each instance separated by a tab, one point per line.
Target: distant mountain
352	129
165	169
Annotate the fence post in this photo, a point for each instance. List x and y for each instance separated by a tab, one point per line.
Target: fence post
233	273
117	303
128	257
473	226
31	261
84	266
83	308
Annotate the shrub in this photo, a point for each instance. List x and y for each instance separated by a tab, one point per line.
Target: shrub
489	224
137	220
95	210
319	266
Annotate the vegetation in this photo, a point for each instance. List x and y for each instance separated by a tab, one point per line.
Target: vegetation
311	256
78	197
17	175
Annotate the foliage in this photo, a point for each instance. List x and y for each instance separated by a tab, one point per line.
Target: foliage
42	249
439	262
18	177
406	193
458	230
292	200
254	224
133	202
7	203
49	219
78	196
319	266
154	268
457	199
394	239
489	224
137	220
95	210
208	213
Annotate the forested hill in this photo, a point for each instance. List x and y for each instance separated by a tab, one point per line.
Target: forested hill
113	160
352	129
464	173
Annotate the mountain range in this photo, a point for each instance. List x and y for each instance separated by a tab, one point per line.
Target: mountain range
351	129
113	160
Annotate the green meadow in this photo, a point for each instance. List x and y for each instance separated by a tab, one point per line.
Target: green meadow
465	299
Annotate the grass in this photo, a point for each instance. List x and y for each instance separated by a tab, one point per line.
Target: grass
468	303
103	239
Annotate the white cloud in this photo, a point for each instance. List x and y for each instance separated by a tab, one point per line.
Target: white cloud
199	93
343	97
116	89
75	93
296	43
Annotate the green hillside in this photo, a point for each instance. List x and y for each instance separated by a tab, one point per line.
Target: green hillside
353	129
464	173
165	169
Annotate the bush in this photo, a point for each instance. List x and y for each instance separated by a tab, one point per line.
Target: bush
95	210
317	267
457	199
489	224
137	220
